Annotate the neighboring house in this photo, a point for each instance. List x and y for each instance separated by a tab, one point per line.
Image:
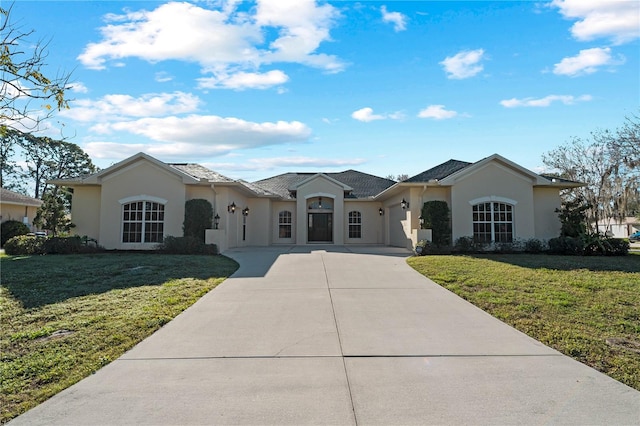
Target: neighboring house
619	228
15	206
135	203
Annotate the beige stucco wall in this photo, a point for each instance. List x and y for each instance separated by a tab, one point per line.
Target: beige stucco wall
500	183
372	222
547	223
85	211
399	222
259	222
141	179
18	212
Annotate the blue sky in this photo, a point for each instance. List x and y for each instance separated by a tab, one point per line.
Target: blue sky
254	89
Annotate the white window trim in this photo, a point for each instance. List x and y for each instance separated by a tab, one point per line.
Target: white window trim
493	198
143	197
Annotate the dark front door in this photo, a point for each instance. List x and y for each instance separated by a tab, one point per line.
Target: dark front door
320	227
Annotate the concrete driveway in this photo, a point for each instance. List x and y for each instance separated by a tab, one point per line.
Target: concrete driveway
338	336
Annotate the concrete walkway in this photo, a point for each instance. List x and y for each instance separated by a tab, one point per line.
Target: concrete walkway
338	336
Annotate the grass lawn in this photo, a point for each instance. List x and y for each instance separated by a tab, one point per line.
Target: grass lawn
64	317
585	307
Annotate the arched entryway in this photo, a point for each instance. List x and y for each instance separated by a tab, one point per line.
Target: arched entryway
320	220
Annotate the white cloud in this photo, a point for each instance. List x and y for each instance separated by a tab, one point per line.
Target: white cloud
163	77
586	62
116	106
366	114
244	80
437	112
221	41
398	20
544	102
615	20
197	136
214	130
78	87
464	64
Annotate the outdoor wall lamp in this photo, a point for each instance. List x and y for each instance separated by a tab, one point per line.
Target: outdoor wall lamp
216	221
404	204
381	211
231	208
245	211
421	220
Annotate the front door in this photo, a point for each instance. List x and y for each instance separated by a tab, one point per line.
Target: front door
320	227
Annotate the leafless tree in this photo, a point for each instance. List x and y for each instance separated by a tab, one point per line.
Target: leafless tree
609	166
27	95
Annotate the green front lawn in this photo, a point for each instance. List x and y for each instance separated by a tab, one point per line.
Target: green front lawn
585	307
64	317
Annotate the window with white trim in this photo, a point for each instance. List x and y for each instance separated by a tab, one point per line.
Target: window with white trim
142	222
355	224
284	224
493	222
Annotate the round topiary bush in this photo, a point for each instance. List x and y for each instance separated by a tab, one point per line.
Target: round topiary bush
24	245
12	228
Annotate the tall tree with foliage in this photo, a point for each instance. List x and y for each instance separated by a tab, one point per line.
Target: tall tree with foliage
10	173
609	166
27	94
52	215
44	158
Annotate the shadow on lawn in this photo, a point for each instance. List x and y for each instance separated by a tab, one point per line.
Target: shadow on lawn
630	263
41	280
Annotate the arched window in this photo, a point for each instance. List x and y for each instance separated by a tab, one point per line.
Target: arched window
355	224
493	222
284	224
142	222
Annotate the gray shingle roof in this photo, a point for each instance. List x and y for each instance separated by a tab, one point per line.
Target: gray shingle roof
201	172
364	185
11	197
440	171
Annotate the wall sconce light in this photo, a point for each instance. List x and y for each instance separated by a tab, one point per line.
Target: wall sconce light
381	211
319	202
404	204
216	221
245	211
421	220
231	208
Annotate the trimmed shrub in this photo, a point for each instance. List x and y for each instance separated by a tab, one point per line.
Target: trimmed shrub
573	246
30	245
25	245
424	248
534	246
12	228
186	245
468	245
436	217
596	245
198	216
62	245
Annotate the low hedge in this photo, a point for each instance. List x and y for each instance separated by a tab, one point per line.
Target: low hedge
30	245
186	245
588	245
